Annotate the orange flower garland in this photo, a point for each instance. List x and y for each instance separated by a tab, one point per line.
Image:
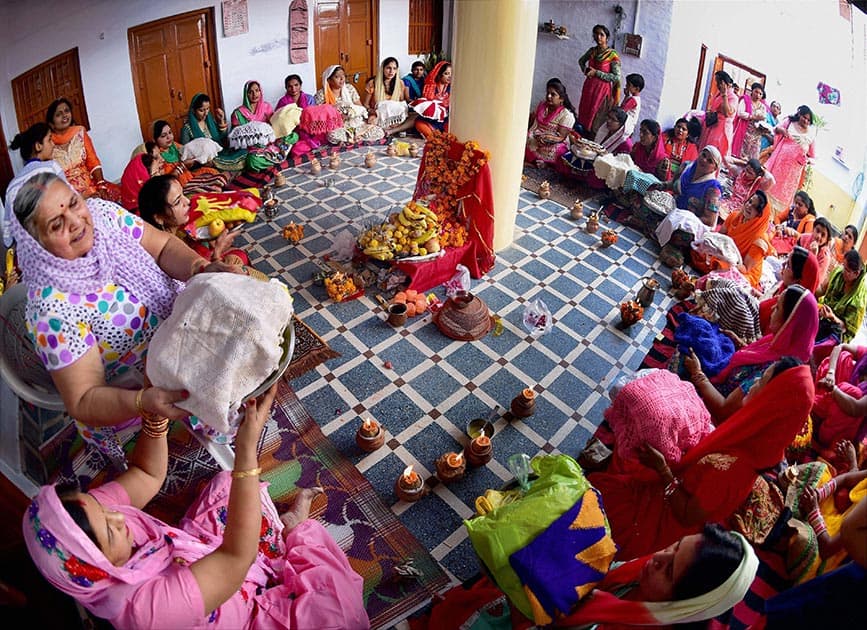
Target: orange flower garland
445	177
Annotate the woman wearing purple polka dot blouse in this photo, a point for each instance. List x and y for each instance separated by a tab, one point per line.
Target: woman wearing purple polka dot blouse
99	283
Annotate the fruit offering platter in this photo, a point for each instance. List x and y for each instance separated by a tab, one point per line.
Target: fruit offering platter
213	213
414	232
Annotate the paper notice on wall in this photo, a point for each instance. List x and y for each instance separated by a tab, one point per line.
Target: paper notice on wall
236	20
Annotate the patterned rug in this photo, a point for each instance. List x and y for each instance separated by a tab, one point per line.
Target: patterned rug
564	191
399	574
310	350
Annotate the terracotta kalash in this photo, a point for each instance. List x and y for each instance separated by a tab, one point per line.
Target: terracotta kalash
480	452
524	404
451	467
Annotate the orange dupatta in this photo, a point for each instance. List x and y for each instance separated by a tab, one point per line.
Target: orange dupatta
750	234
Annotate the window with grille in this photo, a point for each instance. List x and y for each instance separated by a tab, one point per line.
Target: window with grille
425	26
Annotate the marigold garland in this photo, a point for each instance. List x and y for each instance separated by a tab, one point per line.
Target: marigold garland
445	176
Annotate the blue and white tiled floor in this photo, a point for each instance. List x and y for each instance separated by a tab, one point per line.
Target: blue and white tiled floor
436	385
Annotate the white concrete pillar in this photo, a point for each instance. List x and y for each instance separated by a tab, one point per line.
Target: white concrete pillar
494	52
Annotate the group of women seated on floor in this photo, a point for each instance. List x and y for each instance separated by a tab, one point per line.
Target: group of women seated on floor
100	282
214	147
764	432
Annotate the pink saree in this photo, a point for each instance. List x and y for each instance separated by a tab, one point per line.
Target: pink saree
720	134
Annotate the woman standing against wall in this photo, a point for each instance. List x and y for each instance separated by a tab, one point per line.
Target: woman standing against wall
601	67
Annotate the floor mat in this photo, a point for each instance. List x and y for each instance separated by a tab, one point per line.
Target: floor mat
310	350
399	574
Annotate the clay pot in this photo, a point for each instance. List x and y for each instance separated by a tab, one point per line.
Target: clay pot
370	159
413	150
407	492
480	452
369	443
390	150
577	212
592	223
315	167
544	190
280	180
524	404
447	472
334	161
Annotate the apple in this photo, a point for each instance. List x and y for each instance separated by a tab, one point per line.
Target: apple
216	227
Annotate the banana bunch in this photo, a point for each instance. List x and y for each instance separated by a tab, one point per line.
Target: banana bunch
416	229
378	242
411	232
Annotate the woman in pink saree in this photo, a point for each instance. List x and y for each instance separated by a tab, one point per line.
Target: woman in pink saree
233	562
747	139
794	145
550	126
601	67
723	106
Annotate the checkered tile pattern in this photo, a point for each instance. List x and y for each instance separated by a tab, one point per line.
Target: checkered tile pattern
435	386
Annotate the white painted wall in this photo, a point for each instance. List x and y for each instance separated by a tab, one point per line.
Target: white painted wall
394	33
559	58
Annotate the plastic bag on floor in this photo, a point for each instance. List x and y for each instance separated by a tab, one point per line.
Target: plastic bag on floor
343	247
458	282
537	318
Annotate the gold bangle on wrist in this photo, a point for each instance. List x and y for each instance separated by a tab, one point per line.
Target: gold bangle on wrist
139	406
241	474
156	430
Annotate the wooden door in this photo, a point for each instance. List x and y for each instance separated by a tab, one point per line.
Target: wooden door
34	90
6	173
172	59
346	35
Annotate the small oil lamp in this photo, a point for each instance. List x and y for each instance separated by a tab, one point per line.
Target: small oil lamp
524	404
369	436
480	451
409	486
451	467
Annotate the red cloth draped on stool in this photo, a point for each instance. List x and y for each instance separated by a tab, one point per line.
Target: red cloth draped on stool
476	212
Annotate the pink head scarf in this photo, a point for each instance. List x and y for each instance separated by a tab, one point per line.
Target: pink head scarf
71	561
649	161
116	257
75	565
794	338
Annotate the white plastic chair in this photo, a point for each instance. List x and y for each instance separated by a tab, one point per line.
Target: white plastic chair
20	367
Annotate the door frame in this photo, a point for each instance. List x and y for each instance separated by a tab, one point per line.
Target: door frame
374	36
211	38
